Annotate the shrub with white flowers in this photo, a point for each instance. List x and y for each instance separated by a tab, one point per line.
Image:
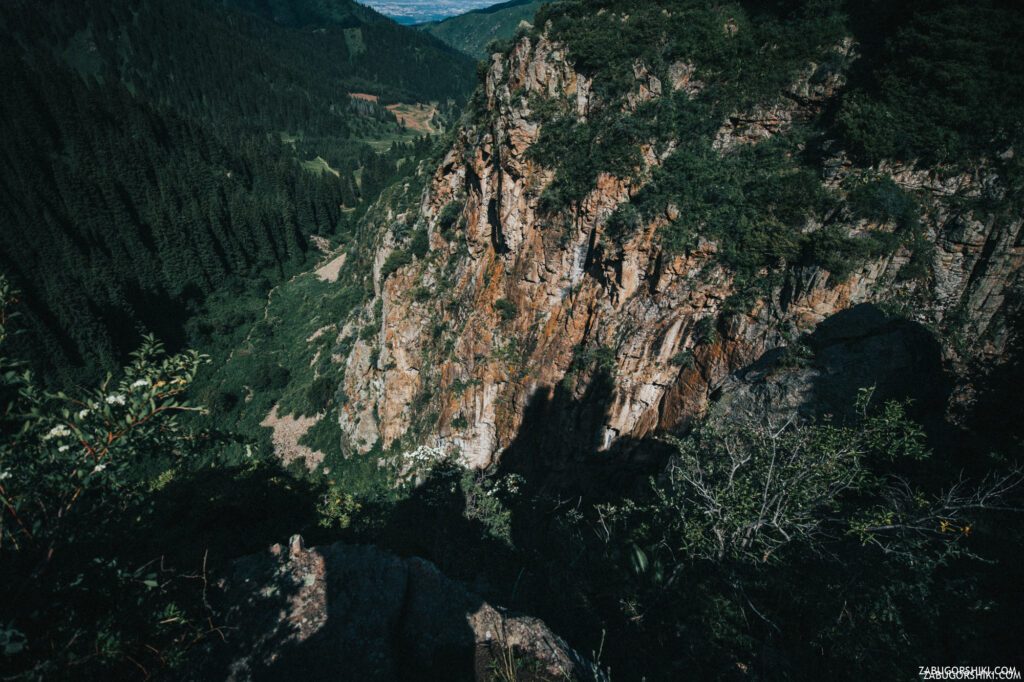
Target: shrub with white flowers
71	466
413	466
69	450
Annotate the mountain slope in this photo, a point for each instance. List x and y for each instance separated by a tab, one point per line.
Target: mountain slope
473	31
381	56
156	152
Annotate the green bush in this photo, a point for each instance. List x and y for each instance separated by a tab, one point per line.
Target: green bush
271	377
420	244
941	86
395	260
831	249
506	309
706	331
882	200
320	393
449	218
71	469
683	359
223	401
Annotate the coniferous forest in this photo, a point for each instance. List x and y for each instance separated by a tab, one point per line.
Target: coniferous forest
153	155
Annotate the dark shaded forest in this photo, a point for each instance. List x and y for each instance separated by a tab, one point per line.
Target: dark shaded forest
152	153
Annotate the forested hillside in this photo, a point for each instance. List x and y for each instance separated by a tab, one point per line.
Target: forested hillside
473	31
379	56
154	151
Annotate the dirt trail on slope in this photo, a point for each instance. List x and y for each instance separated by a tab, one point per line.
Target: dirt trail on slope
418	117
364	96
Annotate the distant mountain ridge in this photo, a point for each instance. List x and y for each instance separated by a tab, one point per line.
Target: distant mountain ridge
473	31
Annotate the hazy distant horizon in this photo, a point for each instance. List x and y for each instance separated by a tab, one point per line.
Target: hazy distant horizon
418	11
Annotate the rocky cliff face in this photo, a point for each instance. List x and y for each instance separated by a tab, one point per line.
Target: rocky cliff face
506	308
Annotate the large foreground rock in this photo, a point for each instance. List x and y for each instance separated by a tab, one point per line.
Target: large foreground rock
357	613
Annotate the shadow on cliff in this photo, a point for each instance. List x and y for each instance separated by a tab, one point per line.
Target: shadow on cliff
994	420
862	347
535	558
561	448
821	375
518	549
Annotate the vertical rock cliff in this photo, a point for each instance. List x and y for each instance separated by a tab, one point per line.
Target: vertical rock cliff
516	303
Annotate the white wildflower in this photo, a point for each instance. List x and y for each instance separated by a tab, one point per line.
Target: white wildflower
63	448
58	431
425	455
82	414
98	468
139	383
115	399
4	475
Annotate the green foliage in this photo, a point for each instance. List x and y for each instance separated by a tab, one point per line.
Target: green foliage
788	524
488	499
417	246
683	359
922	89
420	244
70	466
89	449
270	377
596	361
289	365
938	87
599	358
606	43
321	392
747	492
156	170
506	309
754	201
422	294
337	509
580	151
706	331
449	218
398	258
840	254
882	200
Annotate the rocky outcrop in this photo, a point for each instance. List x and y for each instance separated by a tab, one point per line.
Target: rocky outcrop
357	613
801	102
517	299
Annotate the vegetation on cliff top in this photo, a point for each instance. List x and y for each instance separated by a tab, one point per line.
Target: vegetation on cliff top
906	98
